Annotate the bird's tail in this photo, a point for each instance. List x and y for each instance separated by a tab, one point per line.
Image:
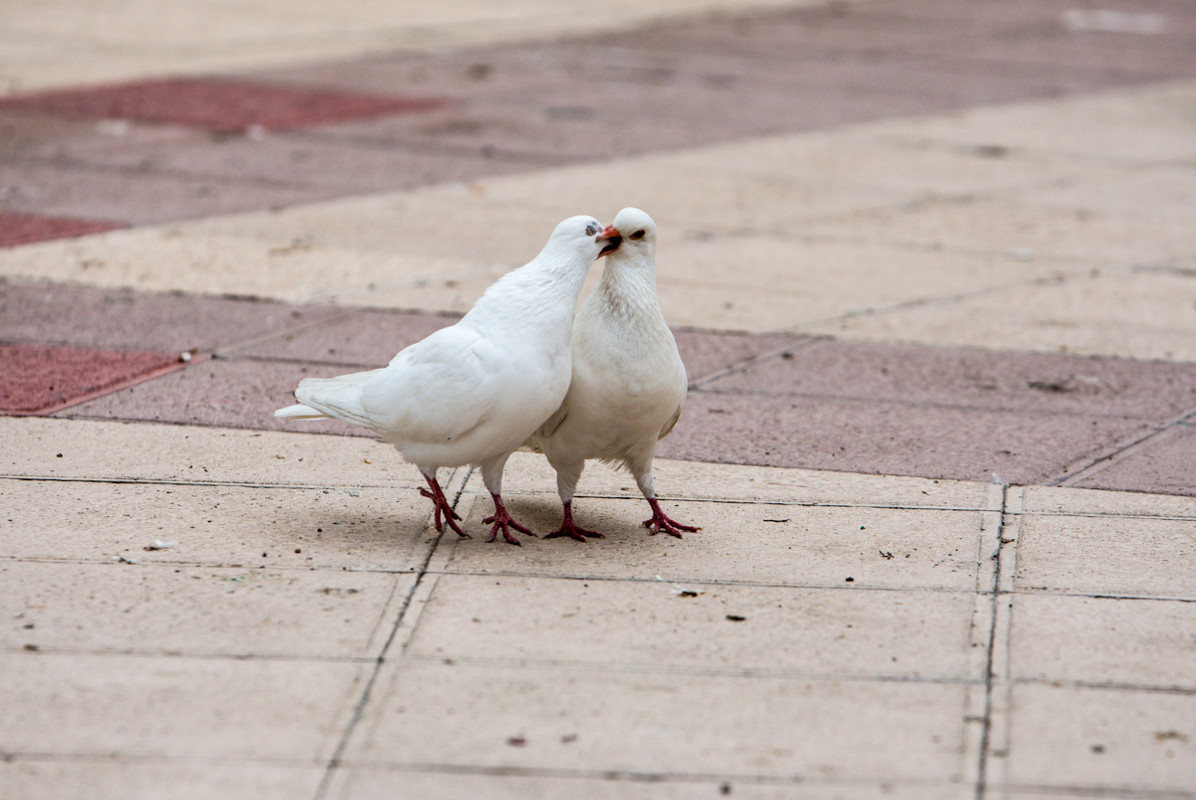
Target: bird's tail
336	398
299	411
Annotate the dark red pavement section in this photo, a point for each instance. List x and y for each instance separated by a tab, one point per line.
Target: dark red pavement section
335	129
769	400
41	379
27	228
216	104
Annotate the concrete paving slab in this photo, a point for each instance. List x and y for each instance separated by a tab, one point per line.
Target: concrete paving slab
530	474
649	625
1130	125
657	722
87	317
16	229
196	38
972	378
1060	500
1160	464
1088	316
75	780
1102	740
447	784
171	453
360	338
841	548
202	611
220	106
40	379
241	528
220	392
895	438
137	707
1102	641
1122	556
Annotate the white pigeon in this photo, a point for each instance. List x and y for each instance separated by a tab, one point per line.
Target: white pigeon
628	382
472	393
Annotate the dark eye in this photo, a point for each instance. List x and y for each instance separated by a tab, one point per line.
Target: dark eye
591	229
637	235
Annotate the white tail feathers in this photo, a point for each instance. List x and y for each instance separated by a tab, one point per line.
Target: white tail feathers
339	397
300	411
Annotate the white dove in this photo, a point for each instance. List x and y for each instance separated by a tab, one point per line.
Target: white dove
472	393
628	382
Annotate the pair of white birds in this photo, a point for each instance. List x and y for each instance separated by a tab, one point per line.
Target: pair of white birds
518	371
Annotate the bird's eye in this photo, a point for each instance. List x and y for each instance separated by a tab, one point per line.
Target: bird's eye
591	229
637	235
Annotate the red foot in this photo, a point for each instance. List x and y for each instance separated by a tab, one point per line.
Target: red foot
661	522
502	520
442	507
568	528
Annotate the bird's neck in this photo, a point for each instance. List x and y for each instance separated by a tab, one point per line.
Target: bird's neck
535	296
628	287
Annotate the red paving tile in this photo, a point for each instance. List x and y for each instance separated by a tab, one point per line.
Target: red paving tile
18	229
216	104
40	379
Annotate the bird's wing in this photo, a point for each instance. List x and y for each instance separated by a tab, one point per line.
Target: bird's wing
668	426
438	389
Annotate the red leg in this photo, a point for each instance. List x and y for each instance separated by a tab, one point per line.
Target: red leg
568	528
661	522
502	519
442	507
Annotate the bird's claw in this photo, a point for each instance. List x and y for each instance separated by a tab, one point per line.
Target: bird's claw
504	523
442	508
501	519
661	523
574	532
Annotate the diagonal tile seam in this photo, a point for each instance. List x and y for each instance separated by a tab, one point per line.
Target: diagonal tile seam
402	629
1098	460
96	394
799	343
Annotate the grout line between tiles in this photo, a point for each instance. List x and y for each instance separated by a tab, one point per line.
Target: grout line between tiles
402	629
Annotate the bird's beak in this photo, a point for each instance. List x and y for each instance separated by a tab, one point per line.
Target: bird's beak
613	240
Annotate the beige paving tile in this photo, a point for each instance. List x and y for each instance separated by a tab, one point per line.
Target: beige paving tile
1028	226
1139	124
1143	314
215	525
847	547
66	607
772	283
1107	555
411	785
87	780
153	706
143	451
1062	500
530	473
572	719
661	625
1102	739
1145	643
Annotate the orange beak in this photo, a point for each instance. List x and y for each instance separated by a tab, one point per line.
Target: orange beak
613	237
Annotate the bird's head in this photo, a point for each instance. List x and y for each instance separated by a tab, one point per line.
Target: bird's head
638	232
586	234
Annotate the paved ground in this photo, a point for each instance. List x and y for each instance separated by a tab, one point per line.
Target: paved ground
931	268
